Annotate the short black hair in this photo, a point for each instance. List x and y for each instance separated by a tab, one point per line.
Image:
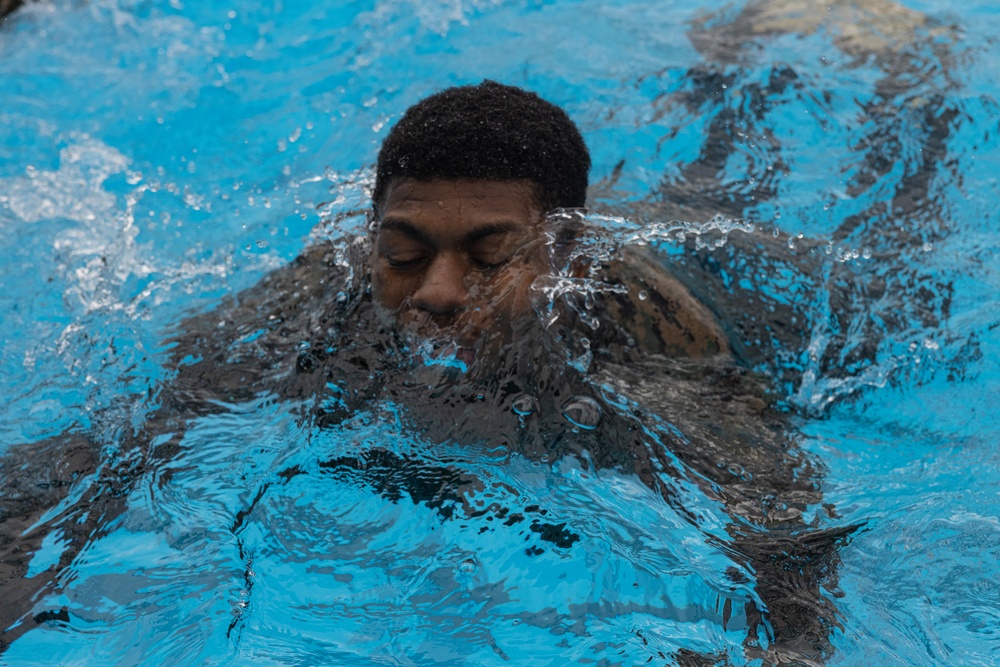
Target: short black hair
489	132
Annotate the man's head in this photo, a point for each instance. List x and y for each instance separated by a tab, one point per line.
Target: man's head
489	132
463	184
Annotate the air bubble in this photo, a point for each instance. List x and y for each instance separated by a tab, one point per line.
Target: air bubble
468	566
524	405
643	295
583	412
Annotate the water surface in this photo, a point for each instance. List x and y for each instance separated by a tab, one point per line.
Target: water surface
156	156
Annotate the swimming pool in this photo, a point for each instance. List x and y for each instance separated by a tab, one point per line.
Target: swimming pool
159	155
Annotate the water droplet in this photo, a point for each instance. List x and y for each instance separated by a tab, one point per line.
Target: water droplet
524	405
583	412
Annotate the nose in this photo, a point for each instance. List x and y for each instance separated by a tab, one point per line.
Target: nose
442	290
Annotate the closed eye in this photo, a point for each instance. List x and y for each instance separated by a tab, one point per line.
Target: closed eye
404	263
491	251
488	263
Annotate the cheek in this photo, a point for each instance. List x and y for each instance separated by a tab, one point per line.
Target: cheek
387	290
512	291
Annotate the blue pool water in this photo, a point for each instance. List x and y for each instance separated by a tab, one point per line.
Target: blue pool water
156	156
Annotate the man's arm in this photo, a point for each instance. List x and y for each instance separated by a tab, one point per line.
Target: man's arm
689	370
722	436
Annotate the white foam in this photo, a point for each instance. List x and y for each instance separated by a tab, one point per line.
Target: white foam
74	192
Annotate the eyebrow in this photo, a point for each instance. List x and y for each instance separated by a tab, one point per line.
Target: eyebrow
479	233
404	227
489	230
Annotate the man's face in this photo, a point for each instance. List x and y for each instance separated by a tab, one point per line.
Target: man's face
454	260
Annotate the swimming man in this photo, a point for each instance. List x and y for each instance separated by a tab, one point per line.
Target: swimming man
468	283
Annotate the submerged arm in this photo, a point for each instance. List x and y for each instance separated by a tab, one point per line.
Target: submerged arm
717	430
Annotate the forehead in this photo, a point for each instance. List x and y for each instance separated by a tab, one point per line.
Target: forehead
462	201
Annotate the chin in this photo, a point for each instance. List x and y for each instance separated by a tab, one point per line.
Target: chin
477	349
449	354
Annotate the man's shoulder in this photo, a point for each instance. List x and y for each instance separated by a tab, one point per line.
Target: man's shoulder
252	340
657	311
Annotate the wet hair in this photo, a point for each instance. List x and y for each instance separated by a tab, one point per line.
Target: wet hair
487	132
